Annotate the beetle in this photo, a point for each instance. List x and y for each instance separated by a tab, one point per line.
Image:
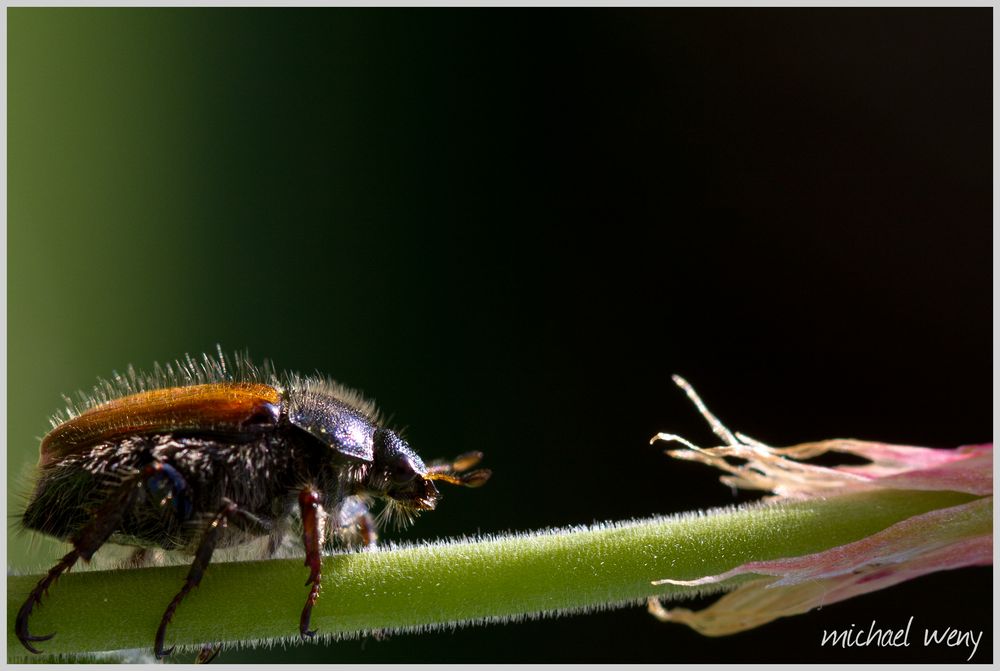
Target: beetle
218	452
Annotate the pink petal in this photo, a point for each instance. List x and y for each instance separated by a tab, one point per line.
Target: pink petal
965	469
784	472
935	541
913	538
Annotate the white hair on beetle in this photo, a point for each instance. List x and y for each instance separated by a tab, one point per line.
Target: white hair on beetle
208	369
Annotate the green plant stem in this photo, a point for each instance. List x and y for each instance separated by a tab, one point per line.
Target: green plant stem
441	584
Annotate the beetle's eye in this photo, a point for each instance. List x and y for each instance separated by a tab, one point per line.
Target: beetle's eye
402	472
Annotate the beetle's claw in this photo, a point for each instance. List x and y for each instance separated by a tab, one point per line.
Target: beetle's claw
30	648
208	653
161	653
161	634
23	636
304	631
21	627
35	599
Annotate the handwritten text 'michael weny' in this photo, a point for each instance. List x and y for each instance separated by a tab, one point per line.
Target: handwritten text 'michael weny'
900	638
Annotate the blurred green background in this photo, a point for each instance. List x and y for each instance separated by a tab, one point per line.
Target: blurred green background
510	228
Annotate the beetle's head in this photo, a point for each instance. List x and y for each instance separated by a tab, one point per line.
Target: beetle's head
400	477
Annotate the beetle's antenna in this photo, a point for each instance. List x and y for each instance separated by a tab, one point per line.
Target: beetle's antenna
448	472
476	478
462	462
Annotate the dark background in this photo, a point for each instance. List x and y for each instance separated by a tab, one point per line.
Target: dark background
510	228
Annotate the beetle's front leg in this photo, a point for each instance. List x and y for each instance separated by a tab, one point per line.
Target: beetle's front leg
354	525
313	522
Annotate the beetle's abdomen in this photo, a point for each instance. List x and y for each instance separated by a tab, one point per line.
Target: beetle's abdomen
258	474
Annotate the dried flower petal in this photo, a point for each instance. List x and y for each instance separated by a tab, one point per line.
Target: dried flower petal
938	540
780	470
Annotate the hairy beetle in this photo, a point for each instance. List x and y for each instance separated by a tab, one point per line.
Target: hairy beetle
216	453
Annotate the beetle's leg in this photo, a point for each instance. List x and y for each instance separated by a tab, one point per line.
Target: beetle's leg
357	528
208	653
202	558
143	558
368	530
274	543
242	520
85	543
276	538
311	507
355	525
138	558
21	627
229	512
164	481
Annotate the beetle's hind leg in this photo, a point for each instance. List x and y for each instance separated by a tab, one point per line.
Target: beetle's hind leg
229	513
85	543
35	598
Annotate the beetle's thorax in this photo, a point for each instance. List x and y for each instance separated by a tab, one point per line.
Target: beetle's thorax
332	421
